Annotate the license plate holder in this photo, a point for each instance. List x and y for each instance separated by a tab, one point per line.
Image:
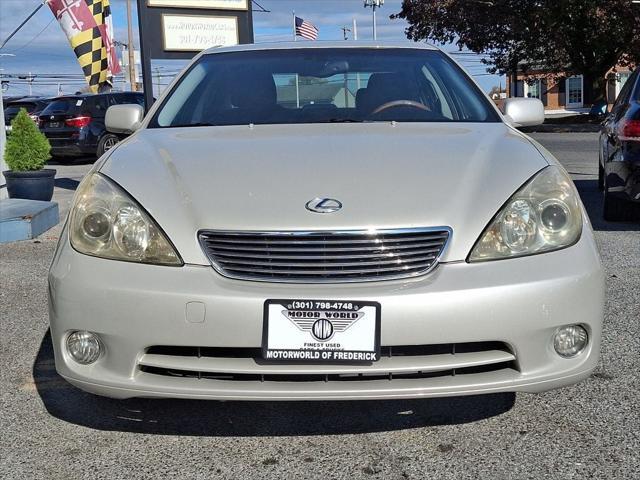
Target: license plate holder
321	331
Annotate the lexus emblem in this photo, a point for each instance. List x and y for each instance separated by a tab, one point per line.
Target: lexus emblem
323	205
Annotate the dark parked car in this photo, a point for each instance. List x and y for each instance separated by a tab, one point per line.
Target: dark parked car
33	106
619	172
7	100
74	124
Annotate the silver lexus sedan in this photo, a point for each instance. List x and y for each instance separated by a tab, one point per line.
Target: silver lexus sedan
318	221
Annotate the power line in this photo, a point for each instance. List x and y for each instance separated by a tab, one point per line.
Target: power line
35	37
261	8
23	23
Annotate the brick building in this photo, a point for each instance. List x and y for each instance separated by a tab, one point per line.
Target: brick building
559	94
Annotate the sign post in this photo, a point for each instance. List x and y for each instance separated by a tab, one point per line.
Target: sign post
179	29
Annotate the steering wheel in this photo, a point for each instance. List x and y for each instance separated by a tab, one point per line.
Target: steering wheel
401	103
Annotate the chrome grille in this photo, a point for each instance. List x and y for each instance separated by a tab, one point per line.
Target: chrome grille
339	256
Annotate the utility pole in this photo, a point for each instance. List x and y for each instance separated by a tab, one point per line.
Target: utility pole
374	4
159	79
132	59
345	29
123	46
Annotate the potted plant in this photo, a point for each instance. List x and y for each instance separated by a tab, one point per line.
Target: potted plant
26	154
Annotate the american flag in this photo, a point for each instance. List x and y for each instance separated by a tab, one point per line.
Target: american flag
306	30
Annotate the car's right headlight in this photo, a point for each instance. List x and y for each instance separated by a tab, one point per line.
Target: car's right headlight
106	222
542	216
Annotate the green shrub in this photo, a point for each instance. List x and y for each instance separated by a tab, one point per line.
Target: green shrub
27	148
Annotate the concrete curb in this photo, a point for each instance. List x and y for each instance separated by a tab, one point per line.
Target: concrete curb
25	219
559	128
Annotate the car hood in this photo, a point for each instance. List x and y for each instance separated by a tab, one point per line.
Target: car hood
387	175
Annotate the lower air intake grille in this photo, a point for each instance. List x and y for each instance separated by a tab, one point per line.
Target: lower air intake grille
397	362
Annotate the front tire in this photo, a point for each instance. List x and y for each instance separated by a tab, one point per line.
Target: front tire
106	143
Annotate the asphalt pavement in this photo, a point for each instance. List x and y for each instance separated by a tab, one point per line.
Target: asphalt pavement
50	430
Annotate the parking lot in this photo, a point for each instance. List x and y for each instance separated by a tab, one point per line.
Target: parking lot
591	430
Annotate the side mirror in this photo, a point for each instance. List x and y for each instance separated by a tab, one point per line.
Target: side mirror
124	119
524	112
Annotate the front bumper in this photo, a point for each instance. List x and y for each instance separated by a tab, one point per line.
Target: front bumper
623	172
519	302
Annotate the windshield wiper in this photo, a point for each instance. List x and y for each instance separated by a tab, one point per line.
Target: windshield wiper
344	120
197	124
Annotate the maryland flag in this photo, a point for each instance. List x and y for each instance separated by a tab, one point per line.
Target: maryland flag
88	26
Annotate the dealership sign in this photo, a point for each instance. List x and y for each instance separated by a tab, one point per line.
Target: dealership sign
219	4
179	29
195	33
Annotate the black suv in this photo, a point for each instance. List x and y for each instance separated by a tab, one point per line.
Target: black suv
74	124
33	106
619	167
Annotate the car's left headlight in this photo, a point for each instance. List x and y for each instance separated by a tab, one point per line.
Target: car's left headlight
106	222
542	216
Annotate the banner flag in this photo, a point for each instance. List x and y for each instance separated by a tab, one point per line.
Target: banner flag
89	28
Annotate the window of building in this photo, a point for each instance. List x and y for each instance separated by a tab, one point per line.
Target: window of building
574	91
532	89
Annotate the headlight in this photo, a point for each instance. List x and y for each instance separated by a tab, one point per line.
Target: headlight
543	215
106	222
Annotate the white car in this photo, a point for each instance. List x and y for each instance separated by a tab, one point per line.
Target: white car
325	221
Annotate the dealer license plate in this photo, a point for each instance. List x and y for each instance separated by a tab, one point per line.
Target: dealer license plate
321	331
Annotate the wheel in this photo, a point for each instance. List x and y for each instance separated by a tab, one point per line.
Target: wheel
107	142
600	177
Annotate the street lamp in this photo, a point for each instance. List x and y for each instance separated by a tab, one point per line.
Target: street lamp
374	4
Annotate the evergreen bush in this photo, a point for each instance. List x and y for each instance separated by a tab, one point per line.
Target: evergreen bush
27	148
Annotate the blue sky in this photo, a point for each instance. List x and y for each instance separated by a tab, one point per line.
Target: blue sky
41	46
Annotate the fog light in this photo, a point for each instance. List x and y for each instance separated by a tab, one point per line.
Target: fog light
570	341
84	347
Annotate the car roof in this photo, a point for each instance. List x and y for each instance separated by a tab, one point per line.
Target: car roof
319	44
29	100
91	95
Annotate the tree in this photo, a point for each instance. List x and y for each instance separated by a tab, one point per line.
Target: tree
27	148
564	37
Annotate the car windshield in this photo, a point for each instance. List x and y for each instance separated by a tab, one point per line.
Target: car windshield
323	85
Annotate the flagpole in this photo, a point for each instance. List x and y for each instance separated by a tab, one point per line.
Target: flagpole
293	14
355	37
133	80
22	24
295	39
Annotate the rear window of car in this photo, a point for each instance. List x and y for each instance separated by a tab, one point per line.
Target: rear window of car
129	98
14	108
64	105
322	85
